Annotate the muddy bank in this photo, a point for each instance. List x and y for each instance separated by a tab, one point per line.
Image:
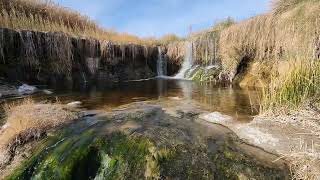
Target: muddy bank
55	58
148	140
293	135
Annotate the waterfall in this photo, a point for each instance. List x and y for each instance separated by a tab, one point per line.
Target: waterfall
187	63
161	64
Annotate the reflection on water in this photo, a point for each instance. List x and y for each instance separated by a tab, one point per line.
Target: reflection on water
239	103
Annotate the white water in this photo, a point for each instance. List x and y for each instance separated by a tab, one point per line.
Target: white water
161	64
187	63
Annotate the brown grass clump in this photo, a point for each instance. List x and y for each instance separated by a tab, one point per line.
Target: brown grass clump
305	163
290	35
248	39
27	118
176	51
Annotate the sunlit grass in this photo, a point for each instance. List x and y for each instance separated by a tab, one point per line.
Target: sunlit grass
300	84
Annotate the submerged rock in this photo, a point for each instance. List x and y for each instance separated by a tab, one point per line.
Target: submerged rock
217	117
26	89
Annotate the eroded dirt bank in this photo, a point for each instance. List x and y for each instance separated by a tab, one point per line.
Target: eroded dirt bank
53	58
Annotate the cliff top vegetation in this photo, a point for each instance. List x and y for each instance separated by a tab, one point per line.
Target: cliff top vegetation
47	16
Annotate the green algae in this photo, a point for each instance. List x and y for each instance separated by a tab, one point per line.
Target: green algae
62	161
121	156
127	156
57	160
25	170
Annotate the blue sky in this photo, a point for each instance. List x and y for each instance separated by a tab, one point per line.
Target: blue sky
147	18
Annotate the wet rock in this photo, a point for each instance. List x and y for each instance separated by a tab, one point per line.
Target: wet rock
47	92
7	90
217	117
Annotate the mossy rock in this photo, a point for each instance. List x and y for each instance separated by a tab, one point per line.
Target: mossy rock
204	75
121	156
233	164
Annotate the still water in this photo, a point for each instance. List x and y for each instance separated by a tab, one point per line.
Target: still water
240	103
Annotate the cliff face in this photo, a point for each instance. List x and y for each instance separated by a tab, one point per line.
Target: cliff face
52	58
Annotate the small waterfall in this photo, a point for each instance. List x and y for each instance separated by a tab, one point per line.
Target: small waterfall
161	64
187	63
84	78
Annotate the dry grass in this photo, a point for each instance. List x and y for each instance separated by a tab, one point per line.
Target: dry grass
304	163
176	51
304	159
292	34
169	38
28	117
206	43
46	16
280	6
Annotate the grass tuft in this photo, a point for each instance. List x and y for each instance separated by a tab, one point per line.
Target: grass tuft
26	117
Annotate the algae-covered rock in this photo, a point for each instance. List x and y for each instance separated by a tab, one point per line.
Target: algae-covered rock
203	73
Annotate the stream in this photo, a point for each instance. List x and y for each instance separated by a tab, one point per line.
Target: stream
150	129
